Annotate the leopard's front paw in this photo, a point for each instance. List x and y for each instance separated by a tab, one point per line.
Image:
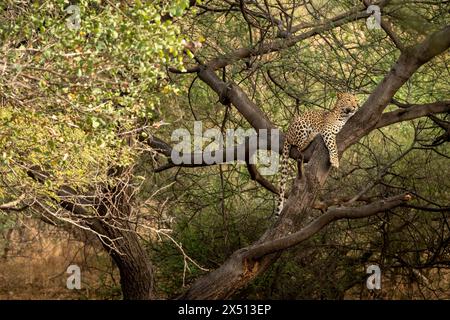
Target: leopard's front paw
334	163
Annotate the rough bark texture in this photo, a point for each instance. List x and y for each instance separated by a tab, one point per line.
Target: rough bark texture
136	272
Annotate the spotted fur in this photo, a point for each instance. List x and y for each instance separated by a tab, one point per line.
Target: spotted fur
308	125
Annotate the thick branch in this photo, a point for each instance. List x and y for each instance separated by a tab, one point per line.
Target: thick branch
280	44
256	176
368	116
159	145
136	271
242	152
318	224
238	98
412	112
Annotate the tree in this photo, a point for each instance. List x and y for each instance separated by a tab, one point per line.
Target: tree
272	56
75	86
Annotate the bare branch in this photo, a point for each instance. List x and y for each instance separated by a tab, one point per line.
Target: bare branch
318	224
280	44
388	29
238	98
12	205
256	176
413	111
367	117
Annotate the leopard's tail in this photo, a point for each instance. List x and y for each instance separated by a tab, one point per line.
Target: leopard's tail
284	175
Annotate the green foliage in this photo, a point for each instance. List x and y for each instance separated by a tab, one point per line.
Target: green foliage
70	95
73	100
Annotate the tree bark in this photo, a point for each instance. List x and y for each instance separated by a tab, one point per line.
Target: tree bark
136	271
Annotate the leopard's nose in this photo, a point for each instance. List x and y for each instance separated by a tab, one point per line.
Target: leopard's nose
348	110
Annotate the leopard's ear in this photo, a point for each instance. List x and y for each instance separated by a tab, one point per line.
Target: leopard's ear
339	94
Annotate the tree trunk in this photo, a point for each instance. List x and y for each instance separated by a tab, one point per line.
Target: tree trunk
136	271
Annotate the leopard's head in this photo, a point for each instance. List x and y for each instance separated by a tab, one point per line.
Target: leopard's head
346	104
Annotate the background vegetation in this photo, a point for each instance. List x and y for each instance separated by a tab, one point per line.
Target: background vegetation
87	114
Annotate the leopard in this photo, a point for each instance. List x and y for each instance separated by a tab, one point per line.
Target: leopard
306	126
